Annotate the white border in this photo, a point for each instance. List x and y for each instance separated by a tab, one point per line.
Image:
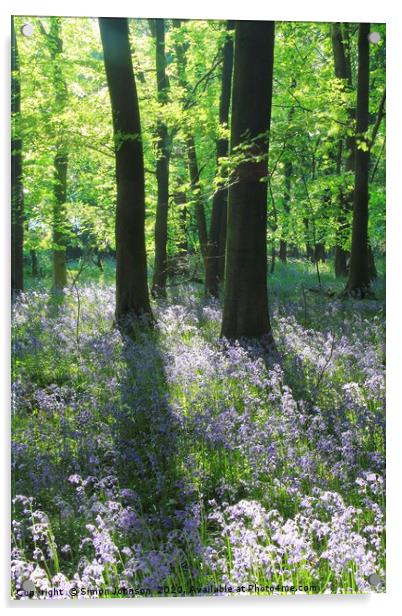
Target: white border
293	10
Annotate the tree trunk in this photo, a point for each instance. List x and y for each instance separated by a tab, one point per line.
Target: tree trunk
215	262
55	45
273	256
309	250
343	71
34	264
17	195
359	280
319	253
132	298
162	167
245	312
59	236
193	168
196	190
283	249
180	200
372	270
288	170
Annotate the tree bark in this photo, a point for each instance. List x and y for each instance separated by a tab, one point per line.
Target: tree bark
343	71
162	167
55	45
215	262
196	190
319	252
283	249
59	236
34	264
372	270
17	194
180	200
309	249
132	298
359	281
180	50
245	312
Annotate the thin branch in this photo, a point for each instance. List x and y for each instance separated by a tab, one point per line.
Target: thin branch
378	161
380	115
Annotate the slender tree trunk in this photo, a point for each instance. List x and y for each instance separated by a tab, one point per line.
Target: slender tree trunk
132	298
196	190
34	264
309	249
359	280
180	200
372	270
273	224
193	167
217	235
55	45
273	257
59	215
288	170
283	249
245	312
343	71
162	167
17	195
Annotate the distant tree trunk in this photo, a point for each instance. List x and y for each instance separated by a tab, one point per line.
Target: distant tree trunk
273	224
288	170
245	311
309	250
59	215
34	264
55	45
273	256
196	190
341	261
180	200
372	270
343	71
162	167
193	167
359	280
217	234
17	195
319	252
132	298
286	205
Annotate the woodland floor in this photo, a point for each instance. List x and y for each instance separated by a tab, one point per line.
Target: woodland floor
176	463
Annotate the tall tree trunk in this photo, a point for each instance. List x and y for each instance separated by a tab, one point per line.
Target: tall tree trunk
59	215
217	234
286	205
196	190
162	167
245	311
17	195
343	71
288	170
132	298
359	280
180	200
194	172
55	45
